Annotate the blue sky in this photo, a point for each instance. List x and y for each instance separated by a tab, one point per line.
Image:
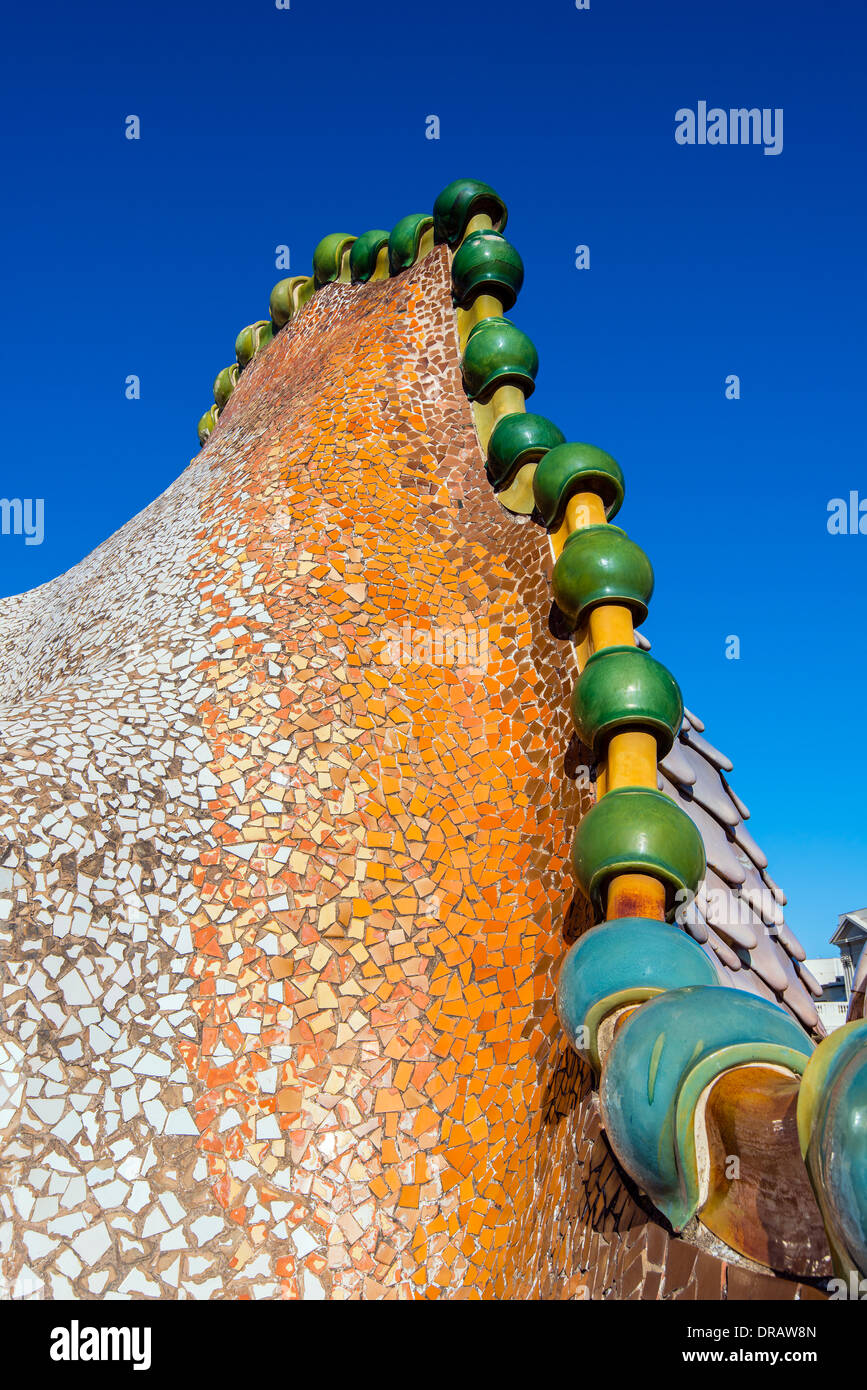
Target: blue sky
262	127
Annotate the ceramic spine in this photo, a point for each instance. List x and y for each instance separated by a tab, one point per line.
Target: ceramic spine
569	488
339	257
636	853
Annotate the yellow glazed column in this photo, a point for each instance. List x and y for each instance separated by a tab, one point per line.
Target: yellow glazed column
632	756
506	400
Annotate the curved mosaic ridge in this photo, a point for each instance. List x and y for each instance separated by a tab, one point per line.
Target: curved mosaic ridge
343	257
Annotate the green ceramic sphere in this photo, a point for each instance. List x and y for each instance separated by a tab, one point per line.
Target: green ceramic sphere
225	383
573	468
281	304
365	254
623	689
600	564
328	256
832	1121
207	424
498	354
288	296
517	439
405	240
636	830
251	340
462	200
485	263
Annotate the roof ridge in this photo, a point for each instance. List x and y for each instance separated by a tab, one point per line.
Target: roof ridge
342	257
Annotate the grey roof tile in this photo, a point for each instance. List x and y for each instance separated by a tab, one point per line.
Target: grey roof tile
677	766
707	750
748	980
743	810
726	955
696	927
719	850
768	961
802	1006
749	846
763	901
798	999
694	720
775	888
809	979
789	941
725	911
708	790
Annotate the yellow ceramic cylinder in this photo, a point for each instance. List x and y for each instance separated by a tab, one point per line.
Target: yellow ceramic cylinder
611	626
480	223
585	509
635	895
486	306
632	760
381	270
507	400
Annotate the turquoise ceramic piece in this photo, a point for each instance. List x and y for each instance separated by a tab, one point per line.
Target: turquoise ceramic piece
225	383
623	963
498	354
365	254
485	263
461	201
515	440
636	830
623	689
328	257
662	1059
405	241
251	340
600	564
570	469
832	1123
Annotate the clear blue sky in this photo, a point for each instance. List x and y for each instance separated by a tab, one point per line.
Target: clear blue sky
262	127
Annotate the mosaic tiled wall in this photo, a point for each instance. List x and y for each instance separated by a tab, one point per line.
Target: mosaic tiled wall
290	785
